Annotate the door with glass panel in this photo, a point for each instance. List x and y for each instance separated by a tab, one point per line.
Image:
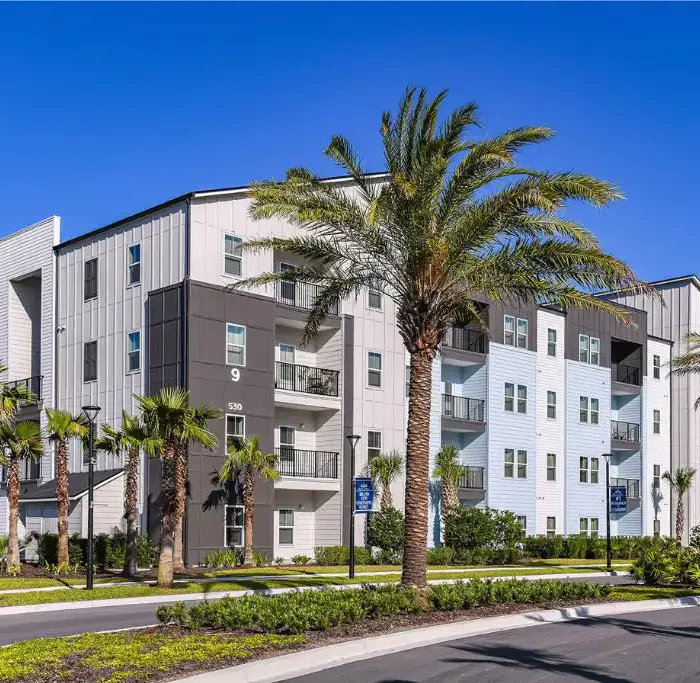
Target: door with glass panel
287	465
288	288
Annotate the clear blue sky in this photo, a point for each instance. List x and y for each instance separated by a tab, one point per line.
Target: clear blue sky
108	109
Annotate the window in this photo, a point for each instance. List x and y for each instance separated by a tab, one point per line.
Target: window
522	333
595	462
588	349
657	367
551	527
595	410
583	353
657	528
583	409
551	343
90	286
232	254
287	436
508	463
235	428
287	354
583	470
374	444
589	410
522	398
551	467
233	526
90	361
235	344
594	527
595	351
589	469
509	330
374	299
552	405
522	520
509	400
133	264
133	352
583	526
587	525
657	477
374	369
657	422
285	532
522	464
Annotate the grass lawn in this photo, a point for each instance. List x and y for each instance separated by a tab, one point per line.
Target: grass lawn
587	563
650	592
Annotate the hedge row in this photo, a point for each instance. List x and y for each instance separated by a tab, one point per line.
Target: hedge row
583	548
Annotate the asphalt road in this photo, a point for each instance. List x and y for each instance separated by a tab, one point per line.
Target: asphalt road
17	627
632	648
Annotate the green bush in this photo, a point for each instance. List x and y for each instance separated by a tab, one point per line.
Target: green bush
489	535
544	547
440	556
695	537
653	566
224	558
385	531
261	560
301	559
47	549
339	555
146	552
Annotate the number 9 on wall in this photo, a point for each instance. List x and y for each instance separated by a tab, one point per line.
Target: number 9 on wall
235	374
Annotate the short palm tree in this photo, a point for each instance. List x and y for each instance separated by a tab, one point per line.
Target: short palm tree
168	417
449	471
21	441
130	439
246	462
11	397
61	427
681	481
451	218
384	470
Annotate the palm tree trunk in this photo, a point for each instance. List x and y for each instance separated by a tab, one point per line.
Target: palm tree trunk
13	502
131	513
181	476
248	510
680	514
62	499
417	446
387	501
169	517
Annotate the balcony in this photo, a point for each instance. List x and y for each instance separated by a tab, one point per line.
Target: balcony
464	346
624	435
473	478
632	486
307	470
33	384
463	414
299	295
312	388
626	374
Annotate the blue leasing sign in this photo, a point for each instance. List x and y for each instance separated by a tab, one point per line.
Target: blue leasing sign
364	494
618	499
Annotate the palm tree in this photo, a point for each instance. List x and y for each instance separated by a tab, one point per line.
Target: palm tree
168	417
21	441
449	471
451	218
61	426
384	469
247	462
11	397
689	362
131	438
681	481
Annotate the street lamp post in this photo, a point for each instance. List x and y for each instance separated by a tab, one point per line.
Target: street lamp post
353	439
608	545
91	414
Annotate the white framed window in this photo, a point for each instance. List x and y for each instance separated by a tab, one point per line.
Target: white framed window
509	463
133	264
287	435
594	527
374	299
595	351
374	369
583	470
588	349
595	470
374	444
583	342
233	256
285	526
235	344
522	464
287	353
509	330
522	399
657	477
589	470
133	351
551	467
551	342
233	526
657	528
595	411
522	520
509	397
235	428
657	421
583	526
583	409
552	405
522	333
657	367
551	527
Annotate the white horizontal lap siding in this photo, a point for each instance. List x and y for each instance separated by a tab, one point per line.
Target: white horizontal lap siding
109	507
327	518
550	432
585	440
304	423
302	503
512	430
328	436
303	355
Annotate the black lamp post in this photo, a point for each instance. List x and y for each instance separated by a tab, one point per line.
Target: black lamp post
91	414
608	546
353	439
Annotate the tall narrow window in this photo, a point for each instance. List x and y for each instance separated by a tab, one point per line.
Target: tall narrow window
583	470
657	422
594	527
509	397
90	361
522	520
595	351
657	477
134	264
233	256
551	342
594	470
551	527
522	464
374	445
133	352
583	409
583	348
235	429
374	369
233	526
595	410
583	526
657	367
90	285
508	463
374	299
522	398
552	405
235	344
551	467
522	333
286	527
509	330
287	353
657	528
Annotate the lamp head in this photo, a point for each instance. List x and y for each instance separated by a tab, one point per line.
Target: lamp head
353	439
91	412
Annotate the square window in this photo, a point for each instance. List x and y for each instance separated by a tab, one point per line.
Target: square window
522	399
594	411
374	369
134	264
594	470
374	444
522	333
551	342
583	409
583	345
90	361
286	527
374	299
508	463
287	354
583	470
90	284
133	352
551	527
657	367
509	330
551	467
235	429
522	520
235	344
233	255
552	405
522	464
233	526
657	422
509	397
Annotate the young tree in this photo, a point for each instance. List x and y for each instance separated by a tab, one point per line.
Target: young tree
131	438
61	427
681	481
449	471
247	462
451	218
21	441
384	470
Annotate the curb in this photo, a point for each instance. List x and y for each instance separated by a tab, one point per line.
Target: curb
216	595
318	659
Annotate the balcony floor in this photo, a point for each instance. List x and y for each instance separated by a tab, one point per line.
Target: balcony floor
307	484
297	400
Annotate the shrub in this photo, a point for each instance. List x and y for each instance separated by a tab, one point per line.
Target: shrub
146	552
695	537
261	560
301	559
490	535
443	555
385	531
337	555
279	561
653	566
544	547
224	558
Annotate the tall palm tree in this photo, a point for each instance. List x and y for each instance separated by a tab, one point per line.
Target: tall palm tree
687	363
168	417
384	470
449	471
21	441
11	397
452	218
131	438
61	427
246	462
681	481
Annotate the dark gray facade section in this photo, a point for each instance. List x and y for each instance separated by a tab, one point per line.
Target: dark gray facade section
348	325
518	309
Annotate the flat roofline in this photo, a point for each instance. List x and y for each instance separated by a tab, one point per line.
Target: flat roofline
658	283
660	339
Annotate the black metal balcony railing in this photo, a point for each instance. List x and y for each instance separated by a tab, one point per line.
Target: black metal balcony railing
299	294
463	408
466	339
33	384
305	379
624	431
473	478
632	486
625	374
292	462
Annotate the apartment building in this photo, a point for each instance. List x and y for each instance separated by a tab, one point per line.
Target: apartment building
144	303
